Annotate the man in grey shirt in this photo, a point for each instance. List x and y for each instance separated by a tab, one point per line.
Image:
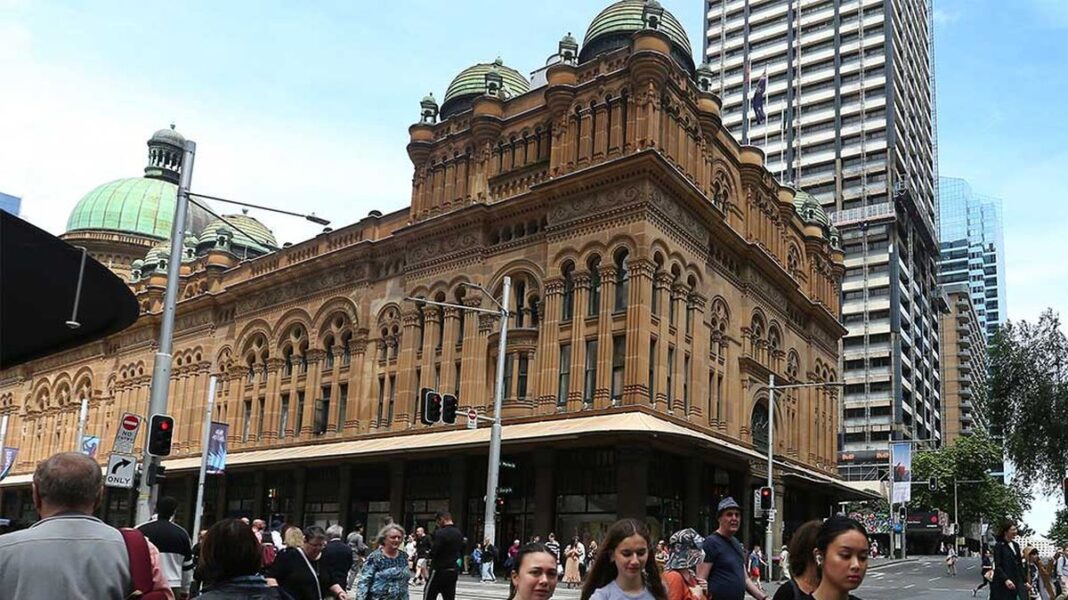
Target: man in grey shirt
52	558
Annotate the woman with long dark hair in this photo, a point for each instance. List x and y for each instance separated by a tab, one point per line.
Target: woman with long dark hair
534	575
842	558
624	568
805	577
1009	582
230	563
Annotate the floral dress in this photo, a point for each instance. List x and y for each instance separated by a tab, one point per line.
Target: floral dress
384	578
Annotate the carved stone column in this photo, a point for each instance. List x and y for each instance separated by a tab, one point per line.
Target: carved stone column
471	373
311	392
578	342
679	293
273	405
639	296
334	418
549	347
698	360
448	381
663	286
485	386
356	419
405	410
602	390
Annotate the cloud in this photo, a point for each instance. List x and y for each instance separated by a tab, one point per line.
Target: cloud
943	17
67	131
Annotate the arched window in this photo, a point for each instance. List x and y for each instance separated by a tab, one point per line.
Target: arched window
621	279
568	308
594	303
759	427
520	302
659	262
328	362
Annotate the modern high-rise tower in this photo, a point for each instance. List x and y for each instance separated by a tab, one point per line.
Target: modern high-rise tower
973	248
849	118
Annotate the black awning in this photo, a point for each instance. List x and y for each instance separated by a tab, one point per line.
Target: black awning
38	280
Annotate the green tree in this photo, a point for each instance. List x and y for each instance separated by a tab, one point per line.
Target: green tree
1028	398
1058	532
968	459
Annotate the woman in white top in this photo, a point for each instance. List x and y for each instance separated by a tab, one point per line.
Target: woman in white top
624	568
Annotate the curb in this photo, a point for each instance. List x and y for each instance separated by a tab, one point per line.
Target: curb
885	564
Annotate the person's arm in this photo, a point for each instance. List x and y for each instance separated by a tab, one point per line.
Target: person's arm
754	591
704	569
367	575
187	566
675	586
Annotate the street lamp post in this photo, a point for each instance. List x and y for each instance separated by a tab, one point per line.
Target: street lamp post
769	533
494	466
161	368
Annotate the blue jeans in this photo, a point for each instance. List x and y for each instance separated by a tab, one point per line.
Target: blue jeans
487	571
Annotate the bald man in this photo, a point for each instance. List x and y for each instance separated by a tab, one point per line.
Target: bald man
55	557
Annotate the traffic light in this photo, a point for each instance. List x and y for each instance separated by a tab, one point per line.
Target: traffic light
902	514
449	404
156	473
767	498
932	484
160	432
498	505
431	406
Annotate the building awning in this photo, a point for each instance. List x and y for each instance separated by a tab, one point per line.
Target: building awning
841	488
40	277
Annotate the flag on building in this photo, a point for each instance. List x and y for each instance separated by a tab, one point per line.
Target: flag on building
217	448
758	98
901	472
8	461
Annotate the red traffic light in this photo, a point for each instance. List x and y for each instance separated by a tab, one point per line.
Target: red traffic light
766	498
165	425
160	429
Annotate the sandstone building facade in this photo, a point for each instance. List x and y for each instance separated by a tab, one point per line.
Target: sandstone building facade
660	274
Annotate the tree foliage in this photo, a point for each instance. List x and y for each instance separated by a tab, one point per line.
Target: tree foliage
1028	398
1058	532
968	460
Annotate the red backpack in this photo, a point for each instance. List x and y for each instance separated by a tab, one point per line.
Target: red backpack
140	566
267	551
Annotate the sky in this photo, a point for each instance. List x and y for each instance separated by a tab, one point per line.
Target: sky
306	106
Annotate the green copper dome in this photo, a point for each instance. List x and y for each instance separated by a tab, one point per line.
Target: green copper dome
261	242
136	205
810	209
472	82
613	26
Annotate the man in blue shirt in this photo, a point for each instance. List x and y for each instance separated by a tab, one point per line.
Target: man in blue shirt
724	562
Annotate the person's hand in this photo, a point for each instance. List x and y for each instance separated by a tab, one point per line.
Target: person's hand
1009	584
703	583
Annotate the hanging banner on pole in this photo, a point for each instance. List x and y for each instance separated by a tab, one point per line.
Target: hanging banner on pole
217	448
90	444
901	471
8	461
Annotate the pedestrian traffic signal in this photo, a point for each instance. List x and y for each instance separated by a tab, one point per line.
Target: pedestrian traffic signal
932	484
160	432
902	514
449	404
767	498
498	505
431	401
156	473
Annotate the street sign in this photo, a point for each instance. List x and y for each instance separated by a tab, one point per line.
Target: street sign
506	464
129	425
771	515
472	418
121	469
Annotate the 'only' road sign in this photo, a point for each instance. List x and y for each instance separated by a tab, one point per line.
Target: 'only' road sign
121	469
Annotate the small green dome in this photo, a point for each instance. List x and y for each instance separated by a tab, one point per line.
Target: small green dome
136	205
810	209
613	26
261	242
471	82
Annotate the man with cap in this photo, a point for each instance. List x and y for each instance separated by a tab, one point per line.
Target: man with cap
724	562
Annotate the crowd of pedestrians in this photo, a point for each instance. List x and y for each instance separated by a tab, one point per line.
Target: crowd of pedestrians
238	559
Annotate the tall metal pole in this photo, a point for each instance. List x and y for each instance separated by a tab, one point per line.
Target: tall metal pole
769	535
205	434
493	468
81	425
161	369
3	434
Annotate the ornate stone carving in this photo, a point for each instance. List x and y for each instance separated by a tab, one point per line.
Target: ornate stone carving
585	206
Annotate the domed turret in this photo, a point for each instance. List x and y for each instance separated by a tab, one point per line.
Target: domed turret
613	27
136	205
472	83
166	149
810	209
219	234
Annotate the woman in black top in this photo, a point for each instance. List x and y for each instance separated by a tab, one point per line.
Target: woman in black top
802	564
986	567
298	570
1008	582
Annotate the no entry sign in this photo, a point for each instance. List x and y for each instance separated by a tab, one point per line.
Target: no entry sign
126	433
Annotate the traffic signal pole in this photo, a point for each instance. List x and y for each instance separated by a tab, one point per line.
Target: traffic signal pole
494	466
161	369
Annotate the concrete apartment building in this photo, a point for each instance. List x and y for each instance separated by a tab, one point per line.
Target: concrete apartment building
963	364
850	119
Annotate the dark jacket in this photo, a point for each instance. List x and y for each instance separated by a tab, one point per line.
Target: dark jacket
241	588
337	561
1008	566
294	576
448	548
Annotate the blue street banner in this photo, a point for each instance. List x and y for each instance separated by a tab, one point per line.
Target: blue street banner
217	448
8	461
901	472
90	444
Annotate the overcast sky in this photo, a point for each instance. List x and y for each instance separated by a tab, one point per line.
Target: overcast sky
306	106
